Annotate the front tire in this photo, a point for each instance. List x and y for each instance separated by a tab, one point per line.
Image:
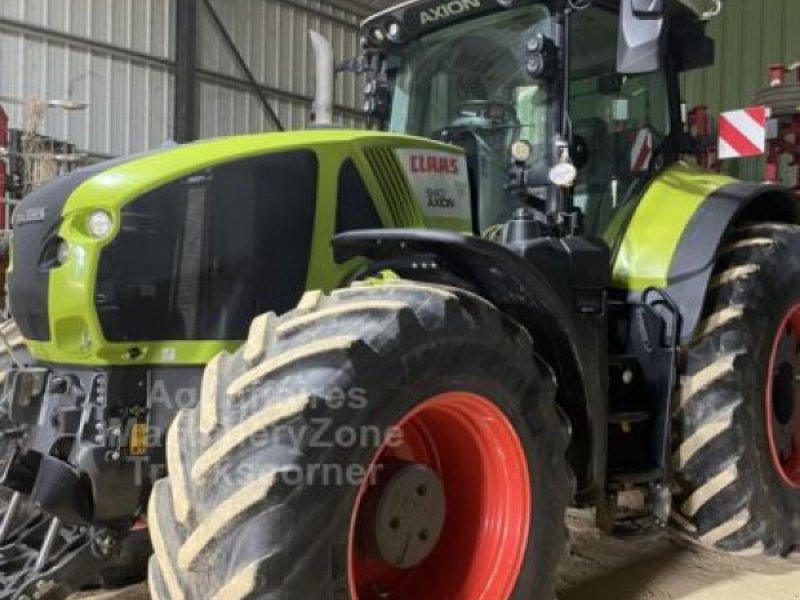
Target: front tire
466	405
737	452
12	343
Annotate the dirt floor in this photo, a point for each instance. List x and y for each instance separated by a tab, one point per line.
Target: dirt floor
601	568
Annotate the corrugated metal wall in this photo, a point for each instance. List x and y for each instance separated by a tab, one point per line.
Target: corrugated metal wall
750	34
273	38
117	56
130	101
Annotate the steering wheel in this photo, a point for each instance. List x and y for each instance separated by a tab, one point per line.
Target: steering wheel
486	114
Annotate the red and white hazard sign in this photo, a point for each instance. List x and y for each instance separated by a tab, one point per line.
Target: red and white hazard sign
743	132
642	152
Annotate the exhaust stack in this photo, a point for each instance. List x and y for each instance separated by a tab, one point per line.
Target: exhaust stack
323	98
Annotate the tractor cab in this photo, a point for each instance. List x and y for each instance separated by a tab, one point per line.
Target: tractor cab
525	87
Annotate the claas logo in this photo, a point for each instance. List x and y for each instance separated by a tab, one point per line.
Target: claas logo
421	163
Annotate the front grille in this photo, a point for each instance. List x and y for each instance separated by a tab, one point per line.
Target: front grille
399	198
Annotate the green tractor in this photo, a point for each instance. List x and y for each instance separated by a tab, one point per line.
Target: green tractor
530	302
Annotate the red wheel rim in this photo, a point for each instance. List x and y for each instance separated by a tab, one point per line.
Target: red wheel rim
783	399
476	452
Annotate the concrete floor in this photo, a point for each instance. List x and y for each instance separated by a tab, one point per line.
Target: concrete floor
601	568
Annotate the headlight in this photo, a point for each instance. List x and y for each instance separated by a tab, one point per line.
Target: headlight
62	252
100	223
521	151
563	175
378	35
394	31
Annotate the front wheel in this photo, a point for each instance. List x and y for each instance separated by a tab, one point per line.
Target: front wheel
392	441
12	350
737	415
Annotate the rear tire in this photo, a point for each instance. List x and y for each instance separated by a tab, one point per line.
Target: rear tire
734	492
230	523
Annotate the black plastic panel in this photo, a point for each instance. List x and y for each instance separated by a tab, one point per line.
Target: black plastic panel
36	223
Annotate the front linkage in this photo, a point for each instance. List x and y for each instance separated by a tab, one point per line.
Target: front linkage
46	559
78	480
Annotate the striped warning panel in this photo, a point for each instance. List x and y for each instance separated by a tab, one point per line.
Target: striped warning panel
642	151
743	132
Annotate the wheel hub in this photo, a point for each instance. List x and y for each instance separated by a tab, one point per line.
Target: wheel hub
783	399
408	515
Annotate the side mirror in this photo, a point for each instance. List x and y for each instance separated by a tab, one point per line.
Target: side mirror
641	32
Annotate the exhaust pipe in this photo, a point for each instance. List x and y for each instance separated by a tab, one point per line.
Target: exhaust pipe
323	98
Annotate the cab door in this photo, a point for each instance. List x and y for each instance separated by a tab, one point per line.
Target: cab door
623	123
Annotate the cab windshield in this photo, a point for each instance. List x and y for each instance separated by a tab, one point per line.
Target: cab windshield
468	85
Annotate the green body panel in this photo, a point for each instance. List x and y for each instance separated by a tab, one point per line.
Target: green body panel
646	240
76	335
644	234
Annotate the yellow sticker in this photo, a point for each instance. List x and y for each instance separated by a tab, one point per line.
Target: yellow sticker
138	443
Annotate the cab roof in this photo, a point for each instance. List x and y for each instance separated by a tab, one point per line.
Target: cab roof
700	8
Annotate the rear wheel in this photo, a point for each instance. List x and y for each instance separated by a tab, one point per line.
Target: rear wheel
737	415
409	448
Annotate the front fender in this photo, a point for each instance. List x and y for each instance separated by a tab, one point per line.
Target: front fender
501	276
572	346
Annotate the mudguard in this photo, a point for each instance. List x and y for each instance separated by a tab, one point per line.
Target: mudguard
675	232
573	344
693	263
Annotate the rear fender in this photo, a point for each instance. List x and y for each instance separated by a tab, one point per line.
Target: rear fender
694	260
522	291
671	238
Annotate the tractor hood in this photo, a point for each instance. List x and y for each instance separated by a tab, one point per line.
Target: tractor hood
166	257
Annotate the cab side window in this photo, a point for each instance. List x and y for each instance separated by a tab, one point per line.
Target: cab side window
620	121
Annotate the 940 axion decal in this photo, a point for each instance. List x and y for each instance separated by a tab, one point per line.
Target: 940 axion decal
440	182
